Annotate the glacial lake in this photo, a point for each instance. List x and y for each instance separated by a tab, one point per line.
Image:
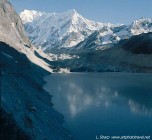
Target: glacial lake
109	104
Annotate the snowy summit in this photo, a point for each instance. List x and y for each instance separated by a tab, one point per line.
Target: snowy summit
68	29
65	29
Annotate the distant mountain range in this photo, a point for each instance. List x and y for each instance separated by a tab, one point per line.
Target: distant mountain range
70	30
129	55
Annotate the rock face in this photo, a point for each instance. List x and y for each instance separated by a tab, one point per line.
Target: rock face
12	32
27	112
11	27
141	44
71	31
27	108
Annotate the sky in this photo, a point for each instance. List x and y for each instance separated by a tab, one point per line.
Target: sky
114	11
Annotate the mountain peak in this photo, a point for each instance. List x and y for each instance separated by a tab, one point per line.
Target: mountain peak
142	25
142	19
72	11
67	29
29	15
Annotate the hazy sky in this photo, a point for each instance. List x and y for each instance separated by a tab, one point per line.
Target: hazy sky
114	11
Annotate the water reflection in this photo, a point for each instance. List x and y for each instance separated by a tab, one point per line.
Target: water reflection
80	93
79	100
138	108
103	104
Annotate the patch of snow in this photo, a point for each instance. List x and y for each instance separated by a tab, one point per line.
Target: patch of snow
142	25
13	25
64	70
29	16
56	57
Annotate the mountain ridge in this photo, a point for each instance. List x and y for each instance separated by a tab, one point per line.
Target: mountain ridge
66	30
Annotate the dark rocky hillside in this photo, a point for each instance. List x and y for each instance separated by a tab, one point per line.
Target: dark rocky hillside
131	55
23	100
26	110
141	44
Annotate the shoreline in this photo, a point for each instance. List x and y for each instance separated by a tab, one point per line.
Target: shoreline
23	97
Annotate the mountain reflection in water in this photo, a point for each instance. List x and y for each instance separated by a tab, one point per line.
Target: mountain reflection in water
100	102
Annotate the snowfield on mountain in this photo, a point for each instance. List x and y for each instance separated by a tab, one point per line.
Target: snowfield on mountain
67	30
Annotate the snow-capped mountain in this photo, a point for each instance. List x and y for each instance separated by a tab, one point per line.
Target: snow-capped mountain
131	55
101	39
70	30
107	37
58	30
143	25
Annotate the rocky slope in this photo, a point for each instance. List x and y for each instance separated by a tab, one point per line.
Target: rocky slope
26	108
12	32
71	31
11	29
